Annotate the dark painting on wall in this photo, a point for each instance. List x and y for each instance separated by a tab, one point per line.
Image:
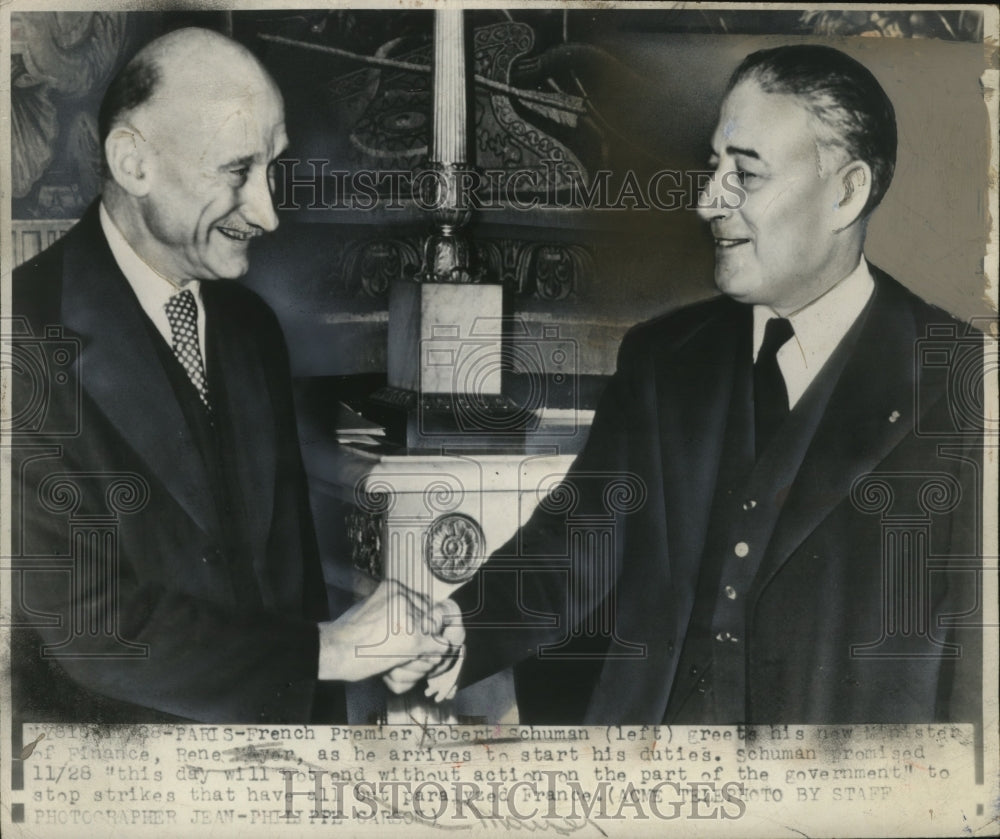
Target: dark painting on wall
563	132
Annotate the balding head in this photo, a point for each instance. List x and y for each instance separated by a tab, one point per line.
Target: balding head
189	129
186	66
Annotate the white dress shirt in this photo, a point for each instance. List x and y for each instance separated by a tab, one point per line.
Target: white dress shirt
151	287
819	328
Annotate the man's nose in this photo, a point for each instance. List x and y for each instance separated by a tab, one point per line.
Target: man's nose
258	207
712	202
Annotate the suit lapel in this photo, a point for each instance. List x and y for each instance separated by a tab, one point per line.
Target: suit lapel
870	411
119	368
244	388
694	397
694	375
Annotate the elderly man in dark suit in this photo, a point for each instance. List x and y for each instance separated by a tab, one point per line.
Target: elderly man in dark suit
168	562
796	530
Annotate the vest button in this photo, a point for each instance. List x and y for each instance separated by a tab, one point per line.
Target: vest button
730	592
741	549
749	504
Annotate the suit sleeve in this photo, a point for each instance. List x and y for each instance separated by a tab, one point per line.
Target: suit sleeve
293	534
543	583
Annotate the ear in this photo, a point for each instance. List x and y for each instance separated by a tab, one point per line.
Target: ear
855	185
125	150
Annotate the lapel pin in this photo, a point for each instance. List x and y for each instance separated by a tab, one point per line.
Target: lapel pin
894	416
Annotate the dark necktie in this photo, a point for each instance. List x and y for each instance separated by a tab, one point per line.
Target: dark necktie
770	397
182	313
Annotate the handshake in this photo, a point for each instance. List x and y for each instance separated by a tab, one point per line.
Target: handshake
399	633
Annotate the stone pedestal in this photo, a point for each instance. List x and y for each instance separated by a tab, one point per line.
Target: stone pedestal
445	363
445	338
429	521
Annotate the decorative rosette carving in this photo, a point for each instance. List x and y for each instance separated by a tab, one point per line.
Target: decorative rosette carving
454	547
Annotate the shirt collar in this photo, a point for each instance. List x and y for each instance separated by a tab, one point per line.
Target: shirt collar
821	325
150	286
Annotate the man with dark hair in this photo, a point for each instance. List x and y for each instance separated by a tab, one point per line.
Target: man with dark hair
850	109
801	538
170	569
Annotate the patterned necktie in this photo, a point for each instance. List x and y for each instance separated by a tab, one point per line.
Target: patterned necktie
182	313
770	397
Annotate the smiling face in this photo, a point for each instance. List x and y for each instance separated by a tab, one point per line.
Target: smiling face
200	176
783	246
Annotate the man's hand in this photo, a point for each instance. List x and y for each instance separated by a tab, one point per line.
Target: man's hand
393	627
442	670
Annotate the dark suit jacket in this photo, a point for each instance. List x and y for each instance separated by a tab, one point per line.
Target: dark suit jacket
896	409
106	466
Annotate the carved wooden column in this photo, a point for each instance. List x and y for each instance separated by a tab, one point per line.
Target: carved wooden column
445	348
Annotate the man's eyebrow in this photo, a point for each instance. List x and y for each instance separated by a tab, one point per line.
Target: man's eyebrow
742	152
246	160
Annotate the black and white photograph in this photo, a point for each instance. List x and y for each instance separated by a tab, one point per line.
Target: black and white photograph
569	417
